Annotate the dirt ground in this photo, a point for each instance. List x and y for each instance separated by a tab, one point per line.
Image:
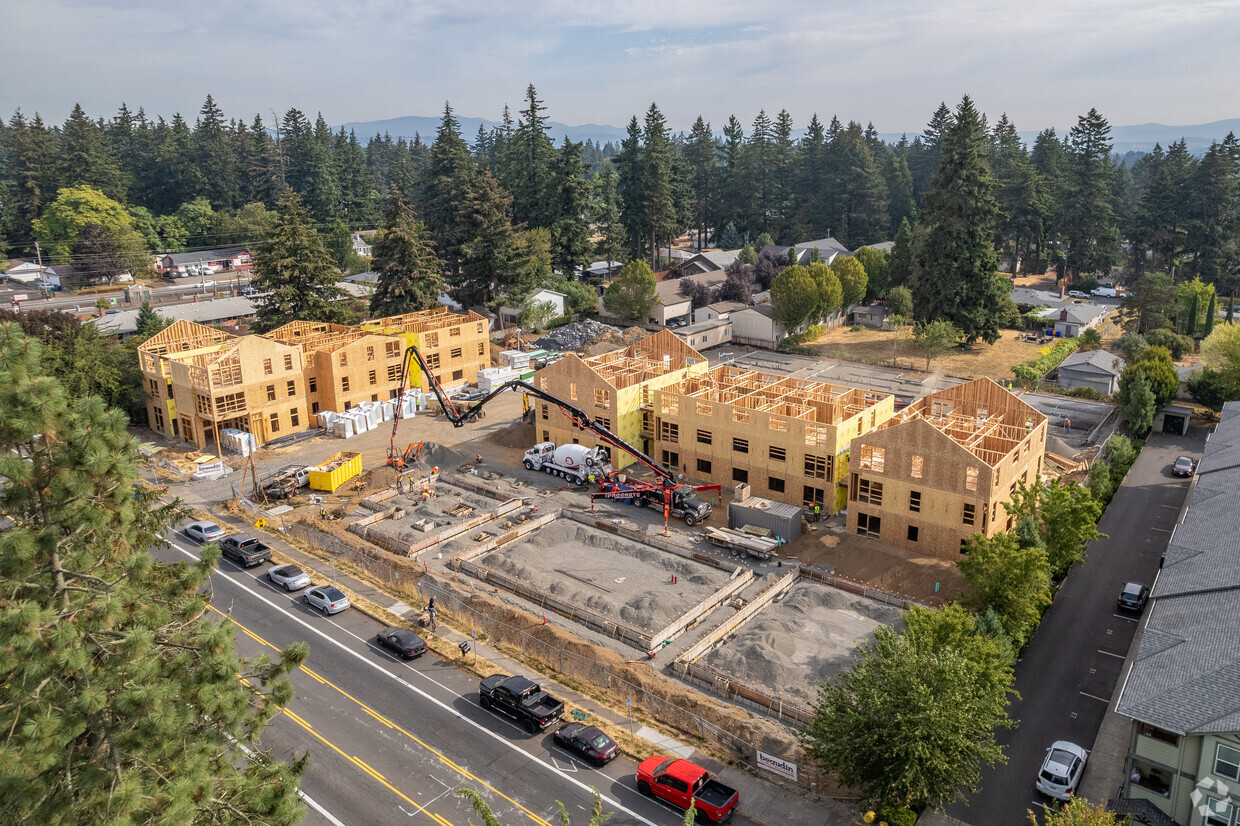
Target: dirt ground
809	633
881	565
871	346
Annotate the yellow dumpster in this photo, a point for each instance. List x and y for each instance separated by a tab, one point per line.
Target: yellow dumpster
335	471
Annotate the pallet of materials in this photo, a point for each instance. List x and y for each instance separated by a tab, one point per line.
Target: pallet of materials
758	547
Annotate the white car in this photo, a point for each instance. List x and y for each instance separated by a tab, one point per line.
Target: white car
1060	775
290	577
327	598
1077	294
204	531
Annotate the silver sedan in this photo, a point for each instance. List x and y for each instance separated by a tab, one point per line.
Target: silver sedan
289	576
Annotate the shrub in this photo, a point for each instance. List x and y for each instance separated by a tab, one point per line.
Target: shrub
1177	344
1131	344
1039	367
897	816
856	328
1086	393
1121	453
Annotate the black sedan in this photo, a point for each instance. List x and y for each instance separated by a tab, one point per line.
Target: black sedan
402	642
1133	597
1183	467
587	742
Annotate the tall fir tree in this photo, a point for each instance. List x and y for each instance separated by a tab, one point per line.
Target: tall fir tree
447	185
955	268
1213	206
86	159
410	273
485	255
122	698
295	275
701	156
526	165
568	203
214	156
1087	218
629	179
606	212
661	221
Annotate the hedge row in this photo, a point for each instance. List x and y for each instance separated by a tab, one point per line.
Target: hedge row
1039	367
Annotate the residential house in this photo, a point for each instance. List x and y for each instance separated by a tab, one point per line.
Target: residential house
718	310
709	261
1182	690
226	258
361	245
615	387
1073	319
706	334
828	250
25	272
512	315
871	315
757	327
1097	369
228	312
671	306
941	470
784	437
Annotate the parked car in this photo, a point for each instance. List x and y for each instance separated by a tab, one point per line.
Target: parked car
587	742
1133	597
1060	775
290	577
327	598
1183	467
522	700
245	550
207	283
685	784
204	531
247	290
1105	292
1077	294
402	642
469	395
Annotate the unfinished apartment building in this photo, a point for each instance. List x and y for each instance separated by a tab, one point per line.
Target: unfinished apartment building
343	365
615	388
200	380
785	437
942	469
456	346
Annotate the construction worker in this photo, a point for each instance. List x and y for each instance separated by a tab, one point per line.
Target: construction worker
435	470
817	511
1067	425
590	477
430	610
478	458
322	513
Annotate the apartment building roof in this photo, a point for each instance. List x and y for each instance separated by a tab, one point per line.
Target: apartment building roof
1186	676
436	318
181	336
318	336
980	416
653	356
811	401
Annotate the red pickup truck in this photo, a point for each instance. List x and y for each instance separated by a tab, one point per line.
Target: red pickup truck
684	784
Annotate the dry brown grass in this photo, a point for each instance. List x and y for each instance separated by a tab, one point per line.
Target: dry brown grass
871	346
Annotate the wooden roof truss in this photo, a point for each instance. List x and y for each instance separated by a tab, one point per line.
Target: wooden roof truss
811	401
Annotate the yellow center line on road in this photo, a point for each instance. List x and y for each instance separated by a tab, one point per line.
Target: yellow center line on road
463	772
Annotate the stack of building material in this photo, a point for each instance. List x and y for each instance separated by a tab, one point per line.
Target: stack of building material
238	441
516	359
759	547
327	419
492	377
343	427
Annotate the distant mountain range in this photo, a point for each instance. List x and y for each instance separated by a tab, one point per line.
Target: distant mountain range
1139	138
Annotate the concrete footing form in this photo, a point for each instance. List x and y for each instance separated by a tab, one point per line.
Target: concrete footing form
772	653
616	582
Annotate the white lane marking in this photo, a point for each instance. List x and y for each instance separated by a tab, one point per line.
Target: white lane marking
332	819
442	705
1111	654
1094	697
1129	619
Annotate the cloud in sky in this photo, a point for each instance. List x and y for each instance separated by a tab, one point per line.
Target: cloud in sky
601	61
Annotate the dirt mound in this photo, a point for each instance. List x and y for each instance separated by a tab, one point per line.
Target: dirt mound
436	455
883	566
381	478
519	436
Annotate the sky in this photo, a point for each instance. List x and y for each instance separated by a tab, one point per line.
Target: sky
889	62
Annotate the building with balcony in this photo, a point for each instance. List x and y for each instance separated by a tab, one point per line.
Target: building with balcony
1182	691
941	470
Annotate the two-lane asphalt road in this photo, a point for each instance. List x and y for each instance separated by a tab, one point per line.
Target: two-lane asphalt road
391	742
1069	670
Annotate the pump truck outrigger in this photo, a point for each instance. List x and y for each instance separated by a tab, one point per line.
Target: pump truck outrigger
673	496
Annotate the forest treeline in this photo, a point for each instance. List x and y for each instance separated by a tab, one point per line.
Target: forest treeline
216	181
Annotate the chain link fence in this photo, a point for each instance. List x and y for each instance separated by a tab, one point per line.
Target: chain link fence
383	571
666	706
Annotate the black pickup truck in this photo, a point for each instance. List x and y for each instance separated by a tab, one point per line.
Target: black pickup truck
522	700
245	550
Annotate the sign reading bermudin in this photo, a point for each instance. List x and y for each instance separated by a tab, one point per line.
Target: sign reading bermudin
777	765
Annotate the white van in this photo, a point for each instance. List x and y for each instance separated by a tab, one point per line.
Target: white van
1105	292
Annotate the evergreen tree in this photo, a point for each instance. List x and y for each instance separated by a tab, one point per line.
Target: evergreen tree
1087	218
296	273
568	206
149	322
86	161
660	221
214	156
860	216
410	274
926	152
449	178
901	261
339	242
122	702
632	295
607	211
1213	211
486	254
955	269
525	166
733	179
702	157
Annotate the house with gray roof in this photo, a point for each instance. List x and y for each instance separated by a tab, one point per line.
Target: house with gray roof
828	250
1182	691
1097	369
1071	320
709	261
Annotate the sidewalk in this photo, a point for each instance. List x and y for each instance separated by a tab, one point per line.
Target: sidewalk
762	801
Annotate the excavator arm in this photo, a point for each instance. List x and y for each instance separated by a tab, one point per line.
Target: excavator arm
579	417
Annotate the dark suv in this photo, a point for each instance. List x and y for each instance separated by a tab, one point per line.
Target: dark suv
1133	597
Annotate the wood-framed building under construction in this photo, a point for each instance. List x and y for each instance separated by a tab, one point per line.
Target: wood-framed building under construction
941	470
